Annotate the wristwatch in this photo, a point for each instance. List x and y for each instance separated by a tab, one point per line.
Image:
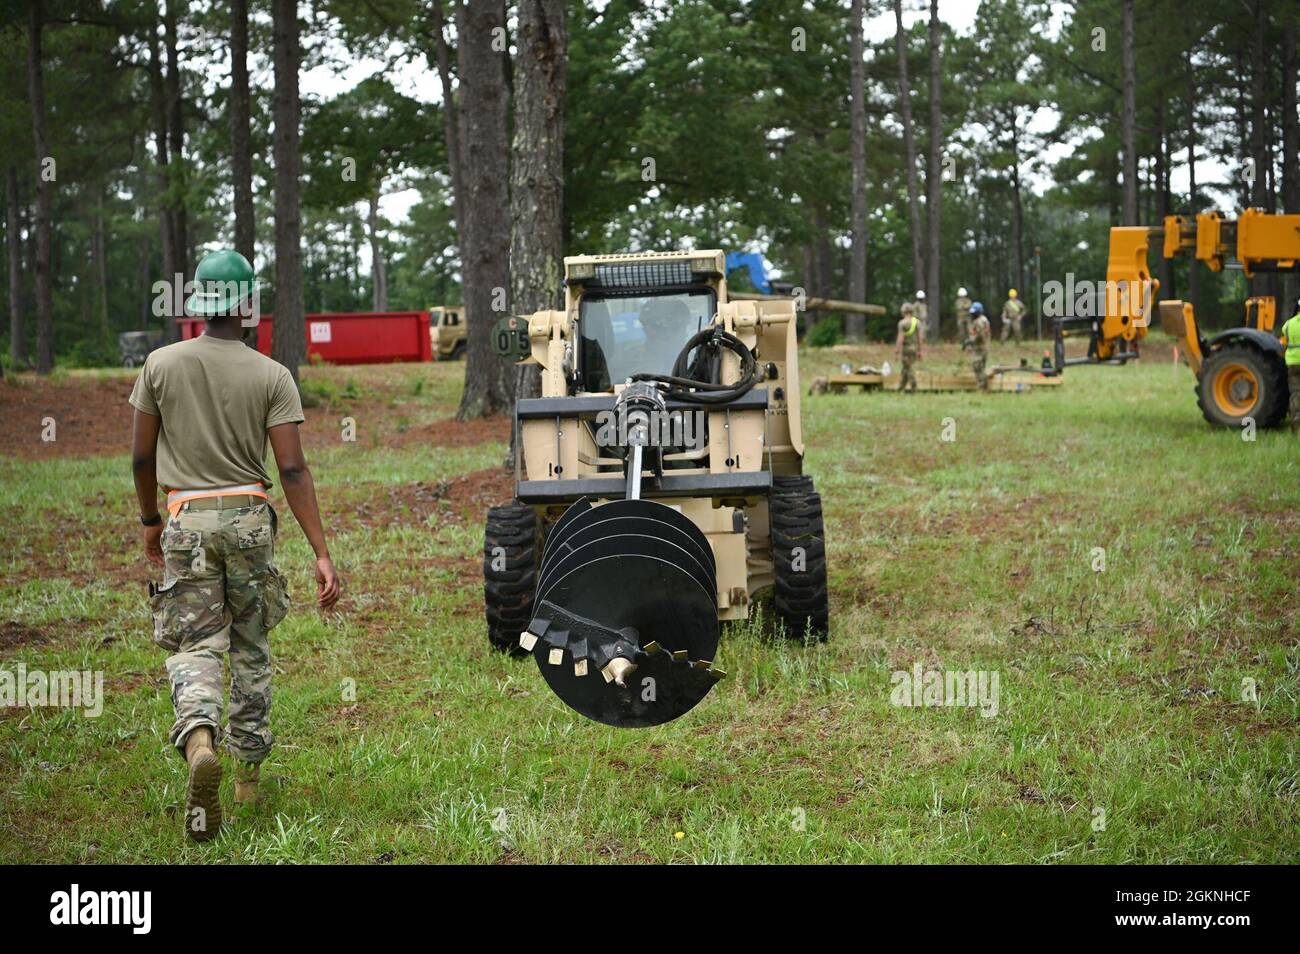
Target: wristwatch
152	521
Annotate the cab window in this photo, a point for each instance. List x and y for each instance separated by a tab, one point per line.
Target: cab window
641	332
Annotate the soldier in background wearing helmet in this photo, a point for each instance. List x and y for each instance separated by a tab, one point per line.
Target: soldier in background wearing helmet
1291	338
961	307
1013	313
909	347
204	411
978	342
920	309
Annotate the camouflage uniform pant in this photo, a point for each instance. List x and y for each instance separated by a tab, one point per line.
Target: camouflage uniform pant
963	327
1293	381
907	374
977	363
1011	328
220	594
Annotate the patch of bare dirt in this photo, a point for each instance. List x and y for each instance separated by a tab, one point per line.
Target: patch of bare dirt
449	432
90	418
14	634
93	418
463	499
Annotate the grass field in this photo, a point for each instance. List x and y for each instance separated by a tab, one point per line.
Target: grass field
1124	730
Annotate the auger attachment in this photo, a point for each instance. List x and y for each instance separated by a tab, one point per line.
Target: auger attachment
625	623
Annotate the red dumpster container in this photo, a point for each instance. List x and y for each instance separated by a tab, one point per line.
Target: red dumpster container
350	337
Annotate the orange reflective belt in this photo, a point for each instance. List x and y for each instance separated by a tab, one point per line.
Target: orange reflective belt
177	498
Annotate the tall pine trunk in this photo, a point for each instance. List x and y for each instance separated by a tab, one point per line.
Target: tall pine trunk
14	241
485	232
1192	265
378	273
909	150
1164	267
537	169
934	177
1290	145
1018	210
288	344
856	325
158	102
42	265
99	252
450	113
241	138
176	145
1128	124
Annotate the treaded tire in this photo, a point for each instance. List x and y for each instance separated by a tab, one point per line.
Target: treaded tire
799	596
508	591
1271	404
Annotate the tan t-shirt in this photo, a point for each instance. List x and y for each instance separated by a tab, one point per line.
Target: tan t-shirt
216	398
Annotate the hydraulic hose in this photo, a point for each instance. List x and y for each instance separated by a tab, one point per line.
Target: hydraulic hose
699	381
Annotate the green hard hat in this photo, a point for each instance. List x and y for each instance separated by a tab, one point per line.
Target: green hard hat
225	280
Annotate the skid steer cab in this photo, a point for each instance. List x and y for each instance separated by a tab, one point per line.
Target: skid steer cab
659	485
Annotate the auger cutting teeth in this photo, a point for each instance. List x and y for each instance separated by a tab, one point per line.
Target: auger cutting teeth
610	573
527	640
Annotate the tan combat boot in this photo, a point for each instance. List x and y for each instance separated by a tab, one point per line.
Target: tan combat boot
203	793
247	775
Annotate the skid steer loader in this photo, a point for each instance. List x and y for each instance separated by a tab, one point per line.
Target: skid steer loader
659	485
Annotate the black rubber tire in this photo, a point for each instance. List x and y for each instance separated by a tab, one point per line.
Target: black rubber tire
799	597
457	351
508	591
1269	371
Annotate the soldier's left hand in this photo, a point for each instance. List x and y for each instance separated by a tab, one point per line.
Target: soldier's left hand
153	545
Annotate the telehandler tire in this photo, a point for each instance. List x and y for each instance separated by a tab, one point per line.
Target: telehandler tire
1240	381
799	558
510	550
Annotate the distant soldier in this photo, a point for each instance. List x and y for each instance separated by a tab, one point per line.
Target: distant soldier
978	342
1291	338
1013	312
909	347
962	309
920	309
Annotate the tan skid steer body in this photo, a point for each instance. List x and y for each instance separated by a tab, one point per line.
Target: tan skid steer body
659	485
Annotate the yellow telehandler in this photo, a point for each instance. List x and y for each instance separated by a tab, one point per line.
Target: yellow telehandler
1240	372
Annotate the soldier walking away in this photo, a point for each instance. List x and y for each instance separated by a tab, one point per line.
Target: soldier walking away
961	307
1291	338
909	348
204	411
978	342
1013	313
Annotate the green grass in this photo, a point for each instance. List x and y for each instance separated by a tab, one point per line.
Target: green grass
1121	691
